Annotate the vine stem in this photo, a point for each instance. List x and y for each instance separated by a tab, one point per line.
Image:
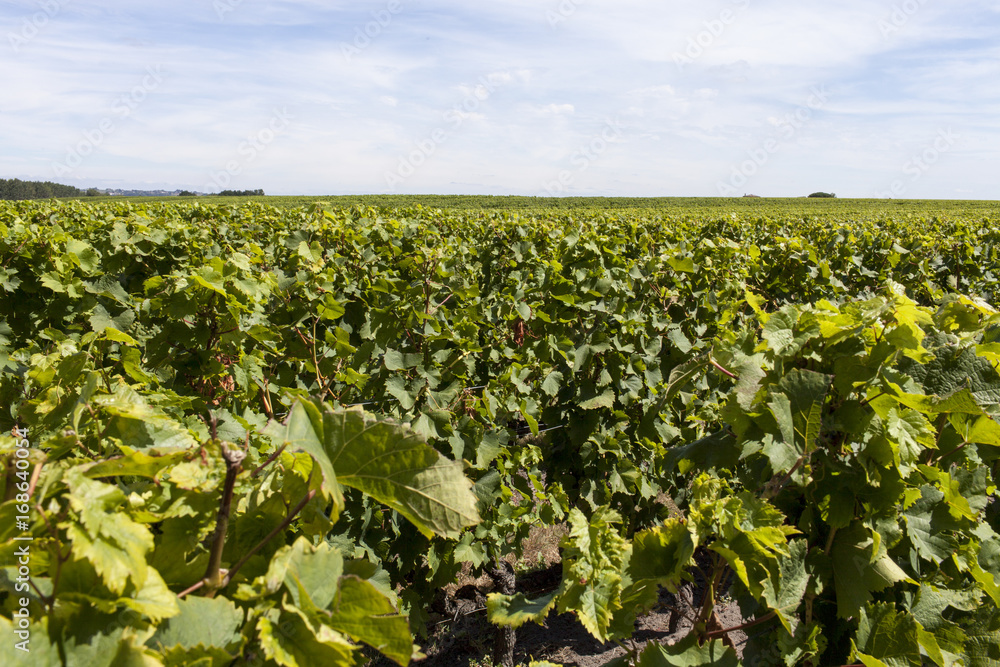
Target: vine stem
284	524
707	612
214	579
441	304
829	542
749	624
264	395
60	559
771	493
724	370
192	589
269	461
35	474
868	401
14	254
954	451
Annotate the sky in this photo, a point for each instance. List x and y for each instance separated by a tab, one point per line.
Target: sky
862	98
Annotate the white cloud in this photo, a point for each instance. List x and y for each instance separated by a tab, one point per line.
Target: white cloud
557	109
516	93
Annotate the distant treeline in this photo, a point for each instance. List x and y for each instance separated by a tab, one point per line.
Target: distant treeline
17	189
241	193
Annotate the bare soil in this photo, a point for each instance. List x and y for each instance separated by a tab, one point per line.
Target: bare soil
462	637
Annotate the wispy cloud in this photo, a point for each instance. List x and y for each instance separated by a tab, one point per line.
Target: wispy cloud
516	88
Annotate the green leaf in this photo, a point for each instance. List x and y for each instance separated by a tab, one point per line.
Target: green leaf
983	642
750	374
109	287
139	425
134	463
784	593
132	363
398	361
954	369
104	535
962	402
516	610
592	400
304	567
205	622
211	277
981	430
552	383
860	569
109	650
35	644
154	599
310	252
781	408
680	341
100	319
687	653
988	581
291	641
468	551
119	336
683	374
911	431
364	614
966	492
682	264
753	536
754	301
888	636
805	390
594	556
83	254
662	554
929	525
396	387
782	334
931	603
385	460
717	451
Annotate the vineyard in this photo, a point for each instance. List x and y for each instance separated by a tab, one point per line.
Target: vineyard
248	434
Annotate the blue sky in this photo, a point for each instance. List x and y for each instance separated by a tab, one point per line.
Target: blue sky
864	98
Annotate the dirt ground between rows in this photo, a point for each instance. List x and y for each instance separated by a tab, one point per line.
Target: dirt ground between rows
462	637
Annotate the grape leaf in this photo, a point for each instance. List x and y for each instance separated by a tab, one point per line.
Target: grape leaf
385	460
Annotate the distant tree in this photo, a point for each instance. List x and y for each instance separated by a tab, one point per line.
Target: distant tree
18	189
185	193
827	195
93	192
241	193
